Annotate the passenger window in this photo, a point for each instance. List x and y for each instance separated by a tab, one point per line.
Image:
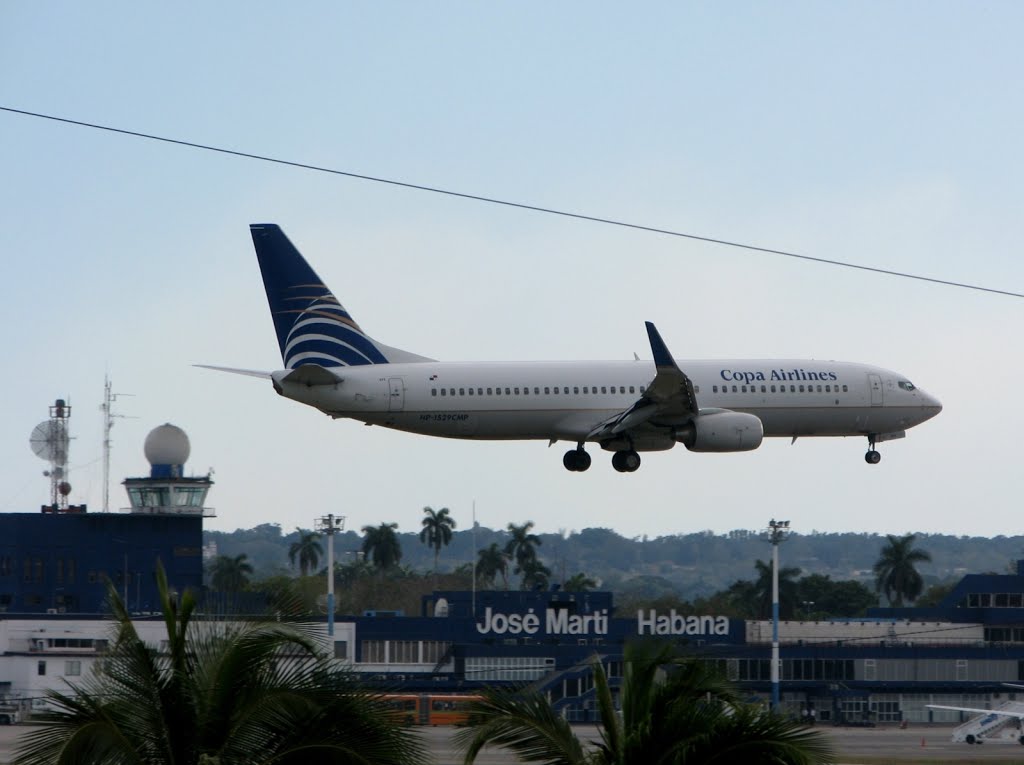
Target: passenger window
497	391
642	389
743	389
622	389
845	389
517	391
556	390
714	389
696	389
733	388
576	391
565	390
801	388
764	389
536	391
526	391
547	391
819	389
604	389
490	392
792	389
508	392
773	389
462	391
433	391
479	391
586	389
632	389
470	391
444	391
828	388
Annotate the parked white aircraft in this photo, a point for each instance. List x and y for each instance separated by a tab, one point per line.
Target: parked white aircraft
625	407
1004	722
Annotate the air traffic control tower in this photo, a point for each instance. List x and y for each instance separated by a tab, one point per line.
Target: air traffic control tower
167	491
62	560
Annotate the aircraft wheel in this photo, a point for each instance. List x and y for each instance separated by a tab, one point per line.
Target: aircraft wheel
1021	740
582	460
872	457
570	461
626	461
970	738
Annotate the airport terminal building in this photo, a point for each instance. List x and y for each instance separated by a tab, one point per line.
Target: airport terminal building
885	668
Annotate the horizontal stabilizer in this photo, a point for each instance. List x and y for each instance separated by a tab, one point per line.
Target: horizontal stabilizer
311	374
232	370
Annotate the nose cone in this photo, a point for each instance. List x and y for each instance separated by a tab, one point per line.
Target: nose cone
930	405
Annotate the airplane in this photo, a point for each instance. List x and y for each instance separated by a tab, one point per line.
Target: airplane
624	407
987	721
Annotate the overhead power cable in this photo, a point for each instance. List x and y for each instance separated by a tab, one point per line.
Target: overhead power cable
519	205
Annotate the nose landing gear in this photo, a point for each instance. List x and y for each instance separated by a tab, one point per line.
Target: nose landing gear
872	457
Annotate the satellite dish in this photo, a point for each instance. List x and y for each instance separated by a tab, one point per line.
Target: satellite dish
49	441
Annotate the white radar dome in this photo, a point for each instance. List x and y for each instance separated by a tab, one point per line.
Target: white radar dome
167	445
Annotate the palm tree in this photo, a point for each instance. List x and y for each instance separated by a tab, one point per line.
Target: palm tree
684	716
229	574
788	590
579	583
307	551
244	692
492	561
895	572
437	530
535	574
523	545
381	545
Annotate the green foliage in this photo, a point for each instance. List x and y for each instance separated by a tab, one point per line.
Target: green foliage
244	692
306	552
896	572
674	711
381	545
492	561
230	574
437	530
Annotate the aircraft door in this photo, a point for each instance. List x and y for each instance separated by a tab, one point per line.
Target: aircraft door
396	394
875	386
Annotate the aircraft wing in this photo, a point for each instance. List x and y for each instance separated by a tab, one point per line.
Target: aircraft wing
668	400
1003	713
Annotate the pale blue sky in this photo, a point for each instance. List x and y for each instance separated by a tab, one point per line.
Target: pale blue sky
887	134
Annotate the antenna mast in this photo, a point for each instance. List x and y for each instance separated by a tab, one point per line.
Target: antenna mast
108	422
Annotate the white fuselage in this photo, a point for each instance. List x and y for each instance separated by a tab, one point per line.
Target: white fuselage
567	400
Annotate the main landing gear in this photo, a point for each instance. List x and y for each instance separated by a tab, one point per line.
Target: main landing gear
576	460
626	461
872	457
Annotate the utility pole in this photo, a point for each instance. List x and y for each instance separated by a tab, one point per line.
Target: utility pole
330	525
777	531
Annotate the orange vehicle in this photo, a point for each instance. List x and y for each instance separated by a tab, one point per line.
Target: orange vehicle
431	708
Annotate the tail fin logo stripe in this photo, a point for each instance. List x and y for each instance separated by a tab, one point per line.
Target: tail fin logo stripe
332	338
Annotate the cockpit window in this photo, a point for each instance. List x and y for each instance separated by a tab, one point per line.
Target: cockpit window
906	385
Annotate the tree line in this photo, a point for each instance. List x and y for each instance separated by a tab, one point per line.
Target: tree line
373	575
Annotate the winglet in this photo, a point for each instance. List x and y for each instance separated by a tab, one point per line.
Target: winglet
662	358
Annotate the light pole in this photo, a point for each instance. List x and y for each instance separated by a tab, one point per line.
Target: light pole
777	531
330	525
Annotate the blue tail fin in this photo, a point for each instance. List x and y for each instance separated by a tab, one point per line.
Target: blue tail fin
312	326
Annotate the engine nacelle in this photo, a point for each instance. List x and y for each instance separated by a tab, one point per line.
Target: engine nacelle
721	431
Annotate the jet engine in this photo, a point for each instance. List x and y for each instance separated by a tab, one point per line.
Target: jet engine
721	430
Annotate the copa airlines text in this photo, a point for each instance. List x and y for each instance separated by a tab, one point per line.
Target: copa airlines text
625	407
